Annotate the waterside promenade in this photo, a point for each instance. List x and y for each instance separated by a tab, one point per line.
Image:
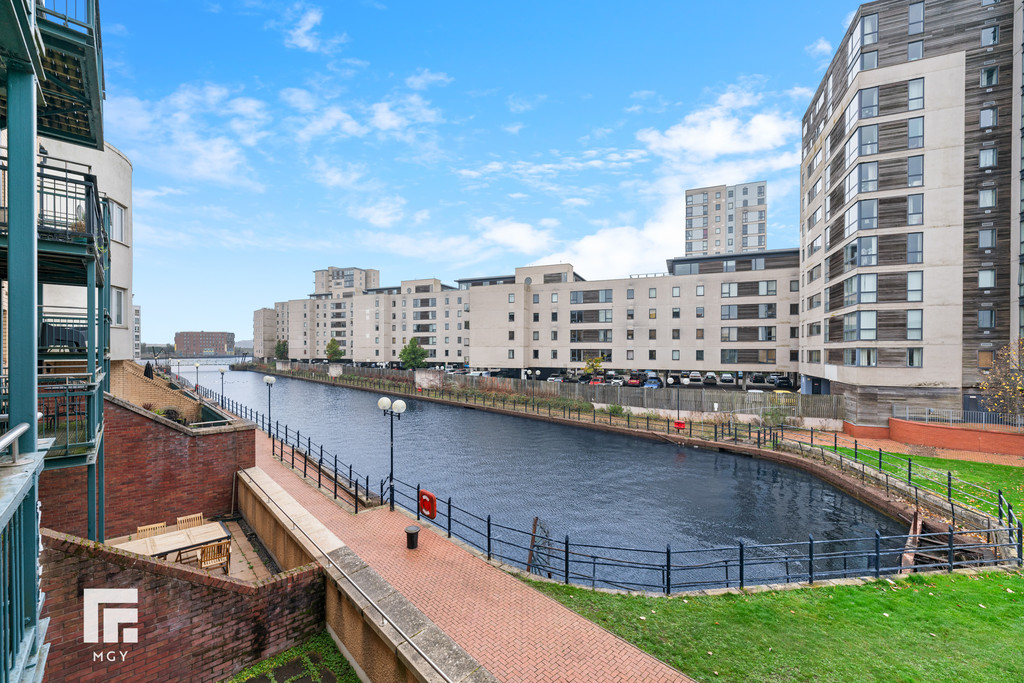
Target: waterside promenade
515	632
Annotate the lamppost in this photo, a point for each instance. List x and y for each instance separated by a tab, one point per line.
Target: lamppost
197	376
536	377
222	370
392	410
269	379
671	381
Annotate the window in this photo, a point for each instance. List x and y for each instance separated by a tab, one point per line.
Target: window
867	99
511	335
861	325
814	356
863	178
915	357
987	158
915	50
554	297
536	317
554	316
915	93
729	312
869	60
511	353
766	288
536	335
861	216
990	36
116	222
766	356
766	333
915	247
861	143
794	285
554	354
700	311
536	353
914	324
652	355
987	278
700	290
869	29
652	334
700	355
629	314
536	298
915	285
860	289
729	289
511	317
652	313
986	199
987	238
915	209
986	319
915	171
629	352
863	251
986	359
989	76
915	18
729	266
675	291
629	334
554	335
675	312
730	334
757	263
915	133
652	293
700	333
988	118
629	293
765	310
730	356
118	306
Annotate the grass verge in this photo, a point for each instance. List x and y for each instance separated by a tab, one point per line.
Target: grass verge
305	662
934	627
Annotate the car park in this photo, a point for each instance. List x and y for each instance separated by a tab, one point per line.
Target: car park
597	379
652	383
783	382
636	379
556	378
584	379
694	376
710	378
616	380
757	378
727	378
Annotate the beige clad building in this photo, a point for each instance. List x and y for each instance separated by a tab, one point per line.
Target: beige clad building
726	219
906	206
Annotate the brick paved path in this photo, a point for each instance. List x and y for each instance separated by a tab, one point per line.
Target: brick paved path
515	632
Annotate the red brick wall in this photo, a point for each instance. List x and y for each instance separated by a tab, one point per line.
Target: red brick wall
864	432
960	438
192	626
155	472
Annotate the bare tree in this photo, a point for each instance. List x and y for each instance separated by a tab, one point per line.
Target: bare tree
1004	385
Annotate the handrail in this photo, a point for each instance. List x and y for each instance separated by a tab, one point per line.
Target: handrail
348	578
10	439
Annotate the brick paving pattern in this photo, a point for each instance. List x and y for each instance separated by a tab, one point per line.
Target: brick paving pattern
515	632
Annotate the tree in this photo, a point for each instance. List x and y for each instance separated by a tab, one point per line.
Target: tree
281	350
334	352
413	355
1004	385
593	366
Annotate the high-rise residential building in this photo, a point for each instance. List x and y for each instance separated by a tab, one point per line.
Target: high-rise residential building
908	222
726	219
137	330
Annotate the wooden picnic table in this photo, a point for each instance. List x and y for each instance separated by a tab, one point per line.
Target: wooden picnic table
177	541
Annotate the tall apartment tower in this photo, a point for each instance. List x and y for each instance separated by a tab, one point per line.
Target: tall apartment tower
906	193
726	219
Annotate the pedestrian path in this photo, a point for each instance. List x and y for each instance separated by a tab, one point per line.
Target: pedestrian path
515	632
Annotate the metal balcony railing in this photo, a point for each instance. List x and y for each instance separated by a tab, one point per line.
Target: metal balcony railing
67	412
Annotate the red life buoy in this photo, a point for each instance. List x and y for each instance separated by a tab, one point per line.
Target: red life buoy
428	504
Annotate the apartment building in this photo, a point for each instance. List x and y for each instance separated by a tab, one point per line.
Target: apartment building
908	155
137	332
726	219
264	327
730	313
195	344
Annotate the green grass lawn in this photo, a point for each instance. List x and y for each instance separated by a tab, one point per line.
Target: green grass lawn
315	660
927	627
1007	478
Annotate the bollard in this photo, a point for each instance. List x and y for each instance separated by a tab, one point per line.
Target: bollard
412	537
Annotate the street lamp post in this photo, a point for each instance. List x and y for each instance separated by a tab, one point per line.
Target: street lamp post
221	387
686	382
392	410
269	379
536	378
197	376
671	381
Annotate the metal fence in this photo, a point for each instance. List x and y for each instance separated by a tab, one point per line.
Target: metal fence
976	419
644	569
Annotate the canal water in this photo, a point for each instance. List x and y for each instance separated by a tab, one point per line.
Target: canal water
599	488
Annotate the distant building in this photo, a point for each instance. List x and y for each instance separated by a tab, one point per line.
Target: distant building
194	344
726	219
138	331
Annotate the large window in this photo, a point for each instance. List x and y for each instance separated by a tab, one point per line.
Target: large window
986	199
766	333
986	319
988	118
861	216
729	312
860	357
863	251
989	76
915	247
915	18
987	278
915	94
860	326
730	334
915	285
915	209
729	289
766	310
860	289
766	288
915	132
987	158
915	171
990	36
914	324
869	29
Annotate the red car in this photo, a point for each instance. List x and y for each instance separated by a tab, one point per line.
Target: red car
636	380
597	380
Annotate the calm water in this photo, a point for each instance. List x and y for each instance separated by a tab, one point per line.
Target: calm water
599	488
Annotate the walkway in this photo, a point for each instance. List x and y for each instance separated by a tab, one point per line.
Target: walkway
514	631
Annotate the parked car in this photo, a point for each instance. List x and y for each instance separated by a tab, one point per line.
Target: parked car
676	379
653	383
755	391
727	378
710	378
616	380
757	378
556	378
636	379
584	379
597	379
695	376
783	382
772	377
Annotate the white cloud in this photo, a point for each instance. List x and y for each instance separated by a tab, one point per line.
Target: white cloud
385	119
515	235
819	48
800	93
549	222
513	128
518	195
299	98
574	202
421	216
520	104
332	120
848	19
424	78
642	94
302	35
383	214
340	175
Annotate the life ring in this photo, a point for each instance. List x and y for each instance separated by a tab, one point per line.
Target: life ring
428	504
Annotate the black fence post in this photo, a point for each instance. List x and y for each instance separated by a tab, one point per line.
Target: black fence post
488	523
949	486
878	553
488	537
716	432
668	569
950	550
319	466
355	498
449	516
335	477
910	471
810	557
742	574
812	436
567	558
835	441
879	459
1020	543
391	497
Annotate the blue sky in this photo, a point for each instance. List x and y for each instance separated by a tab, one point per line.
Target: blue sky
451	139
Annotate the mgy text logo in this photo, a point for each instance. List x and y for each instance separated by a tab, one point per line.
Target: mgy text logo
113	617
